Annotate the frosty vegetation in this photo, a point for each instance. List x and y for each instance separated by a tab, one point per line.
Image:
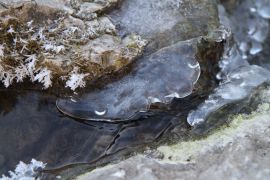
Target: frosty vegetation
60	47
25	171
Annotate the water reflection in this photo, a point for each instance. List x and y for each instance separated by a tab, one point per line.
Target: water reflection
32	127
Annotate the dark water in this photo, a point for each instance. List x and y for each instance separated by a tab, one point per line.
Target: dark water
32	127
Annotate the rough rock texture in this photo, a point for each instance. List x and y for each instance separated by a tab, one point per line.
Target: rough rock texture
239	151
171	20
53	44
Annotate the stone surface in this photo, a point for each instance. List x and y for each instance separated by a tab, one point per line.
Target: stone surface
238	151
164	23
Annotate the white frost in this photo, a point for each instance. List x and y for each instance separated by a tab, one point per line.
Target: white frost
76	80
49	46
2	50
31	64
25	171
11	30
44	76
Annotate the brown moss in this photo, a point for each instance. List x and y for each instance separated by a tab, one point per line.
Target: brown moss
208	55
9	62
33	47
19	45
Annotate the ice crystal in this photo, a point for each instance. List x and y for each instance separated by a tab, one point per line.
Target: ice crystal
44	76
52	47
238	77
76	80
70	31
31	64
25	171
1	50
11	30
8	78
21	72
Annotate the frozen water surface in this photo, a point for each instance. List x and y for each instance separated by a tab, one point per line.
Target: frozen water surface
238	86
263	7
169	69
169	73
239	78
172	71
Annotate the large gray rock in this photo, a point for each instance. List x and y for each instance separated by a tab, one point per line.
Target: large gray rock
239	151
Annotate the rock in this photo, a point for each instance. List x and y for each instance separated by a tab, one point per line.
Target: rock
74	42
89	10
56	4
164	23
237	151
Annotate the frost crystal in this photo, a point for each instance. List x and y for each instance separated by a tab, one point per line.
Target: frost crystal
70	31
41	35
44	76
31	63
11	30
8	78
21	73
2	50
25	171
238	77
76	80
51	47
